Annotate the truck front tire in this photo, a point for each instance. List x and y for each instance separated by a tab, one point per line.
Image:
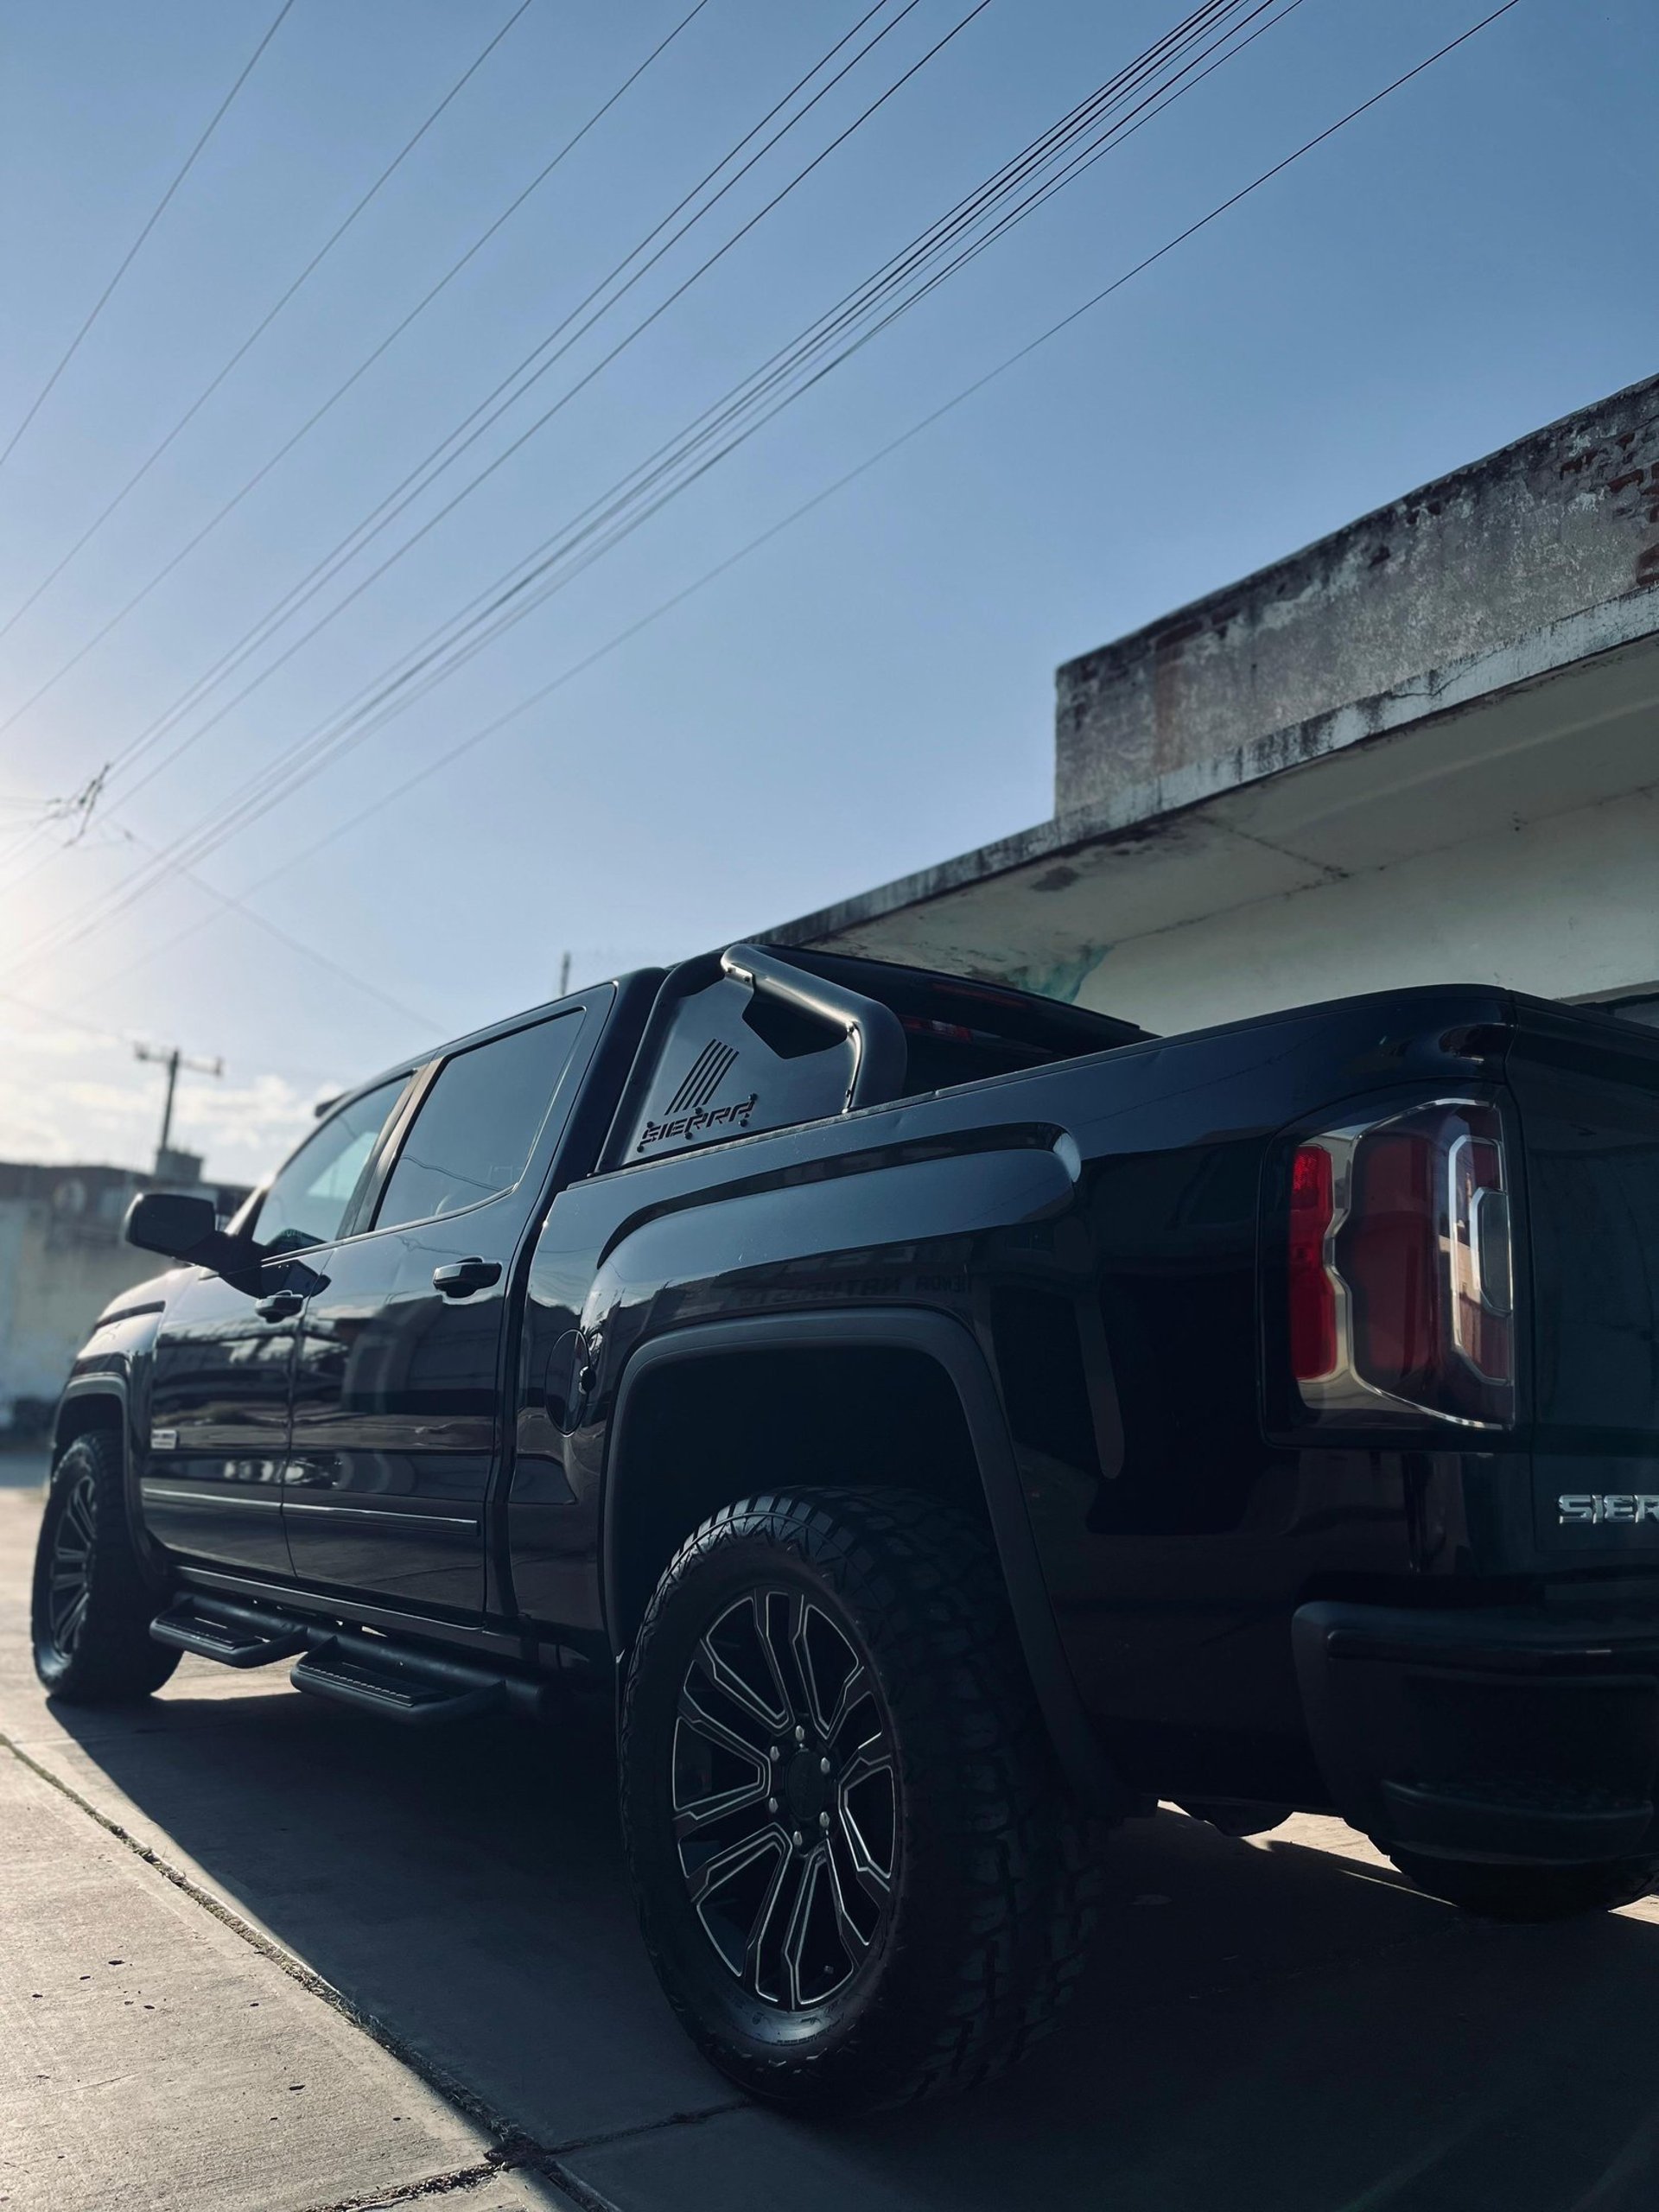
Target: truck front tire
858	1876
90	1611
1535	1893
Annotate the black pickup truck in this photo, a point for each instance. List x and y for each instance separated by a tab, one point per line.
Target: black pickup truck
948	1422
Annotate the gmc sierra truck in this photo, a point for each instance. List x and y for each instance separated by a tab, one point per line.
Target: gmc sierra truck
948	1422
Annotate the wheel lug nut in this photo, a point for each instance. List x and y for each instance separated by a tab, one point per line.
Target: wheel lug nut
798	1838
775	1752
772	1804
824	1766
824	1820
800	1735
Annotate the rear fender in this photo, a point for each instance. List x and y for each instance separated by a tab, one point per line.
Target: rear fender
947	1344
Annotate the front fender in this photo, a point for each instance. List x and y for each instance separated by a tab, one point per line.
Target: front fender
108	1389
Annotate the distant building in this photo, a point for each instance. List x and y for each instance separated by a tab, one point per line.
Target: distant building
61	1260
1425	749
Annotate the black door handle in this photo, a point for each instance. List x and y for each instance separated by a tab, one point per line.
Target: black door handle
462	1277
281	1305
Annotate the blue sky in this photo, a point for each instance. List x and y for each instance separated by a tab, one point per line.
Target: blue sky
870	693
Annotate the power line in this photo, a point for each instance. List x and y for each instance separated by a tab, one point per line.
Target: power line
436	461
264	324
484	615
56	1019
862	468
159	210
341	390
266	788
156	729
274	930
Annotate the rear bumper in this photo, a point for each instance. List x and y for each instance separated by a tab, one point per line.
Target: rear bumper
1510	1734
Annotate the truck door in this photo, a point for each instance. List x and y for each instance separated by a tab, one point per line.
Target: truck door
214	1477
397	1379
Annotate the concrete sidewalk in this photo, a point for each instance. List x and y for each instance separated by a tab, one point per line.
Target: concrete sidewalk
231	1891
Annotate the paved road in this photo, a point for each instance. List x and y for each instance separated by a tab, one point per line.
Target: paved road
260	1953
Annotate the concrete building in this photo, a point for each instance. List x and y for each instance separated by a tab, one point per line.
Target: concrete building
61	1260
1425	749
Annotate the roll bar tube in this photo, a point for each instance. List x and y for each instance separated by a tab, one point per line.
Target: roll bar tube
875	1031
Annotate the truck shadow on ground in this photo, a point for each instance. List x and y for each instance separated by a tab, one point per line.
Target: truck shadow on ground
1267	2024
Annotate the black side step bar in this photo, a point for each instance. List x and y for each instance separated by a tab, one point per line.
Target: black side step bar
237	1636
409	1686
406	1683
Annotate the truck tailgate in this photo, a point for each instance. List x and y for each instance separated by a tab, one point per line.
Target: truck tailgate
1587	1090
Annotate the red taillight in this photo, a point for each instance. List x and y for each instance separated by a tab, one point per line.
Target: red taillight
1313	1294
1400	1296
1391	1260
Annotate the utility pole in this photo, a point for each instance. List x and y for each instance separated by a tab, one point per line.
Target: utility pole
172	1058
564	975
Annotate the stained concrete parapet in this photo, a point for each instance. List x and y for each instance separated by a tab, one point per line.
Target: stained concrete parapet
1562	521
1513	603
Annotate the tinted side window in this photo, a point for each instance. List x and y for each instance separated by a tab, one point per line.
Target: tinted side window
306	1202
478	1124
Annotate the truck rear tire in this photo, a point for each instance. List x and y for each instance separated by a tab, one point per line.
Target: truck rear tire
1529	1893
90	1611
858	1875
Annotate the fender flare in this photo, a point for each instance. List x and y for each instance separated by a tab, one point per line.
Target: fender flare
113	1384
938	1337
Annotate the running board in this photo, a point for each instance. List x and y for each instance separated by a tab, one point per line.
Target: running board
398	1685
236	1636
408	1682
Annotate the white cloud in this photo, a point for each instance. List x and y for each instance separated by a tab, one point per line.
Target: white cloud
67	1097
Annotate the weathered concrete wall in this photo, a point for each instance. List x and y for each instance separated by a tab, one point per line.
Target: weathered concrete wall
1564	520
61	1260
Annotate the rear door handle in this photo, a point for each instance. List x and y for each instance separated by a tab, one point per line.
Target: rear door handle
281	1305
460	1278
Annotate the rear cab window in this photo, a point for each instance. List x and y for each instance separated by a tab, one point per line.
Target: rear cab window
476	1128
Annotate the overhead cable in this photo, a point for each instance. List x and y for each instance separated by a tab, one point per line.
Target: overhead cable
1118	99
471	427
155	217
249	484
263	325
269	784
949	406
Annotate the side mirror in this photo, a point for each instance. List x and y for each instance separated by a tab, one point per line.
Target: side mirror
171	1223
183	1227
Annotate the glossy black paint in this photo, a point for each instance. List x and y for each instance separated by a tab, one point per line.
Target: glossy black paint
1586	1094
399	1375
394	1432
1094	1225
1101	1236
217	1439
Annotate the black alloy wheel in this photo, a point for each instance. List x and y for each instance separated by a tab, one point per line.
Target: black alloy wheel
783	1798
858	1876
69	1566
92	1602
